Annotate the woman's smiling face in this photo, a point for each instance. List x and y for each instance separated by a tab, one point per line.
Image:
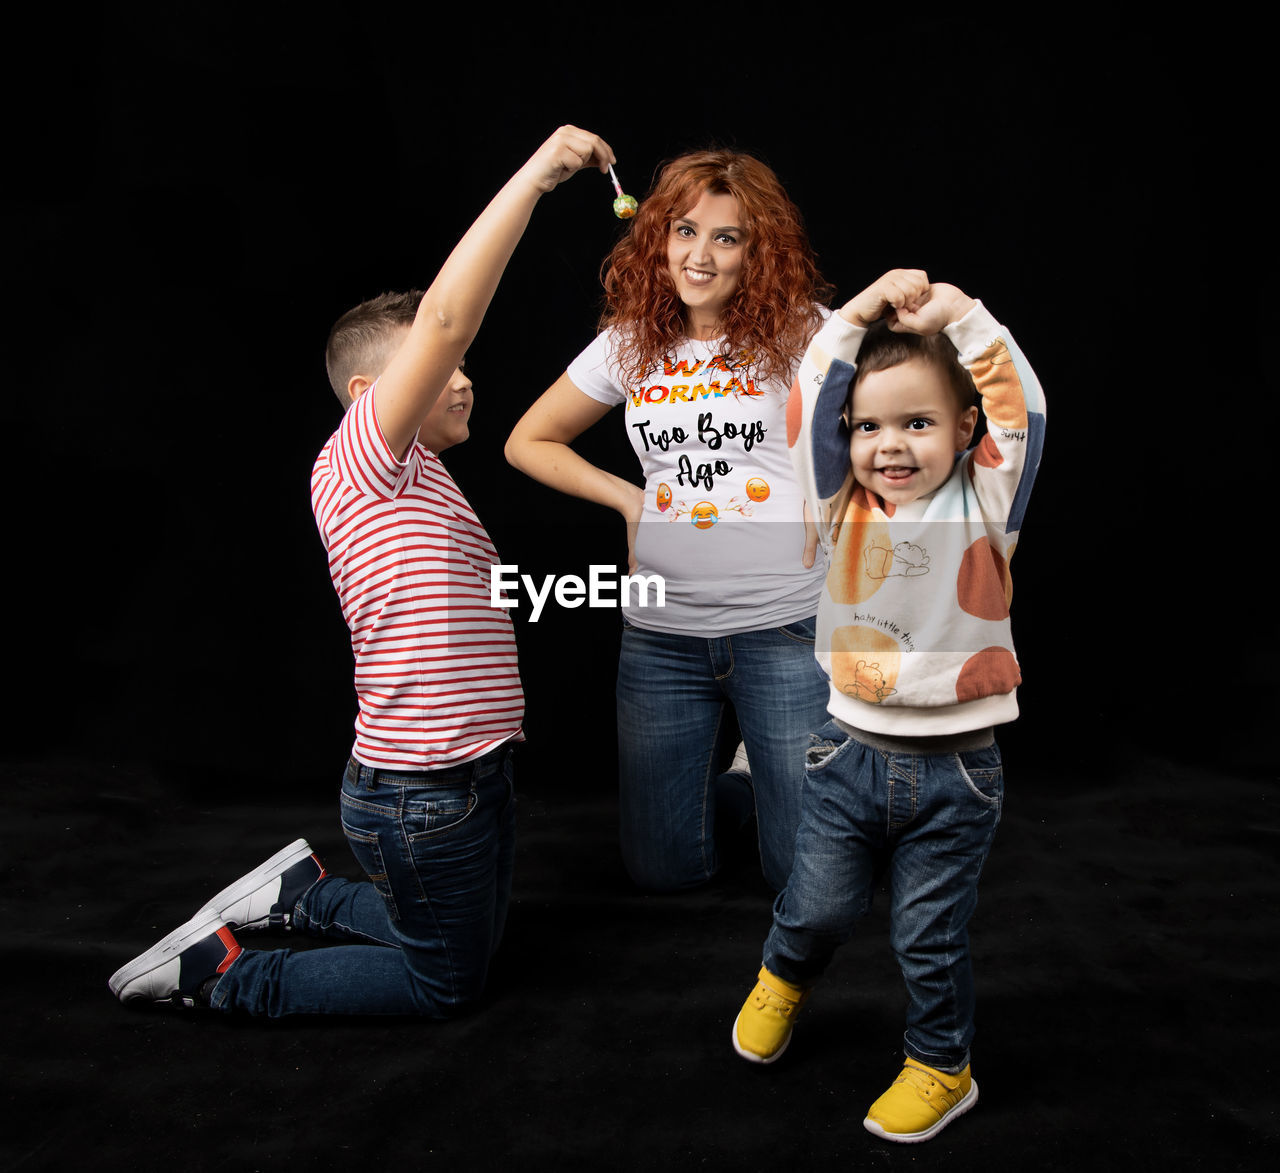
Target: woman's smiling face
705	251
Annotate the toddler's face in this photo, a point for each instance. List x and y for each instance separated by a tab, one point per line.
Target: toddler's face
906	428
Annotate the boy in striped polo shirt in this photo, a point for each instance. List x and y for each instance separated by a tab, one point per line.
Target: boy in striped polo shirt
427	798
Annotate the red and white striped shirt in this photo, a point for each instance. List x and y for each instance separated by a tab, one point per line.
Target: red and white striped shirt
436	670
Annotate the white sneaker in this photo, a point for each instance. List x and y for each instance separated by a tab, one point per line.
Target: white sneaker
177	966
266	897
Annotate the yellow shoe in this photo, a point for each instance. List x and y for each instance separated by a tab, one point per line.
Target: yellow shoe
921	1103
762	1029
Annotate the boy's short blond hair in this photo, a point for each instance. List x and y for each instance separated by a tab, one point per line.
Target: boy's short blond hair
363	340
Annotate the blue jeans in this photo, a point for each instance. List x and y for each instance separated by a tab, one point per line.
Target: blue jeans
931	818
672	693
437	847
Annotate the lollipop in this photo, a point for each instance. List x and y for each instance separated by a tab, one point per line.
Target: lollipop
624	207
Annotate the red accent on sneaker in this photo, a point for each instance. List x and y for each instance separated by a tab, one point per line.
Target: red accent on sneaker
233	946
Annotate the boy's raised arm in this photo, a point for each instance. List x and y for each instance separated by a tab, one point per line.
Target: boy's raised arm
453	307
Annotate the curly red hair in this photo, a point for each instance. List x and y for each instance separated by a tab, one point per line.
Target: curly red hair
775	309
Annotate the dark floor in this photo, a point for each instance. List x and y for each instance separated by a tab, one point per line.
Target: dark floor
1124	949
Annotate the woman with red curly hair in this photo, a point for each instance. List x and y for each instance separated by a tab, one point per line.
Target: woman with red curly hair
711	298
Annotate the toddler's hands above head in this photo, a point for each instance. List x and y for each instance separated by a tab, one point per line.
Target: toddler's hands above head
909	302
945	304
569	150
897	289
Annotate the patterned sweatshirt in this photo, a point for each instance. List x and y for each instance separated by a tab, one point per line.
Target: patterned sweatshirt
913	624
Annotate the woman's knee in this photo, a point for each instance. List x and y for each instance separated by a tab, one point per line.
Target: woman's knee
660	872
454	997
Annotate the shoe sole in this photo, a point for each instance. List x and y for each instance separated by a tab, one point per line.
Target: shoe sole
248	884
163	951
916	1137
751	1056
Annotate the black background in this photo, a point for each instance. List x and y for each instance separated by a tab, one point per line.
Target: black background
193	199
204	197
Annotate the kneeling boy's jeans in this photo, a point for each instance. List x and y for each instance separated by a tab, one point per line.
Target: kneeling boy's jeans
438	848
932	817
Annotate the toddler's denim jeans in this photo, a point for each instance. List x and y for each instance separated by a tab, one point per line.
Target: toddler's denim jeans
930	818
